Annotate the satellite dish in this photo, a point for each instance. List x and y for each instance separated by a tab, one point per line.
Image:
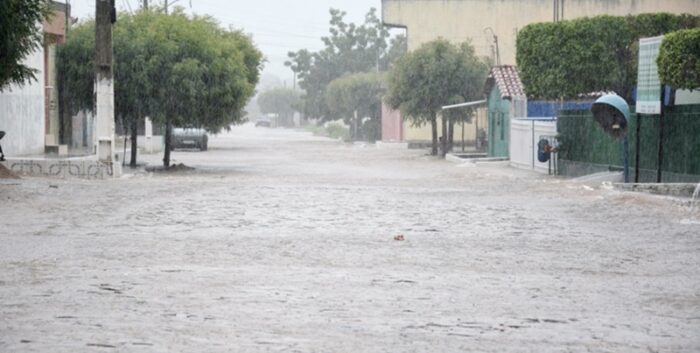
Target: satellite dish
612	113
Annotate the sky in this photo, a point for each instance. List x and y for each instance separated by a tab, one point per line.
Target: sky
277	26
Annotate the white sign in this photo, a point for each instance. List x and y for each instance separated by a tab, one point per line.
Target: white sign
648	83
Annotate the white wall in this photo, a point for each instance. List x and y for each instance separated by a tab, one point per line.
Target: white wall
150	144
684	97
83	134
524	135
22	112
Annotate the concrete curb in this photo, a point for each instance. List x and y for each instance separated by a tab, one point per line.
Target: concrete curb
456	159
391	145
670	189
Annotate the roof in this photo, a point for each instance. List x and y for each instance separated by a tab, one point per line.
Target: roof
507	79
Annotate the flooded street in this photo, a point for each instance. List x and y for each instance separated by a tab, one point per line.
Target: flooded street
283	242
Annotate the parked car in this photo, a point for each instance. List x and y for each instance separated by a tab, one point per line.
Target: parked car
189	138
263	121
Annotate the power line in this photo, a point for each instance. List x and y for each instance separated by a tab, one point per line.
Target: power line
266	17
273	34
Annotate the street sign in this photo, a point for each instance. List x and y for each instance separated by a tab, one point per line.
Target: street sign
648	83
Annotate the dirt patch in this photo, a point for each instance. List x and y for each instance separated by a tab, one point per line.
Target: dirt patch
6	173
175	168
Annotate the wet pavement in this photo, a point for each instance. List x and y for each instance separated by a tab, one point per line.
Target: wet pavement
283	242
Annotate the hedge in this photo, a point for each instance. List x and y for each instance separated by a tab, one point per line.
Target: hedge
679	59
590	54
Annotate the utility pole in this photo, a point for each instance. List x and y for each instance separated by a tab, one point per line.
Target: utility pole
660	157
105	16
145	4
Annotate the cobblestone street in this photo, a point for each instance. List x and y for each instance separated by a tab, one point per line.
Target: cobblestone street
279	241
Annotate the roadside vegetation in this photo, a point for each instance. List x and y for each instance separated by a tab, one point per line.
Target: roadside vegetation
679	59
346	80
437	74
282	102
179	70
565	59
333	129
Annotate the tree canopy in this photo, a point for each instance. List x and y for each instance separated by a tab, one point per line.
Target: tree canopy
19	36
349	48
280	101
436	74
179	70
569	58
358	96
679	59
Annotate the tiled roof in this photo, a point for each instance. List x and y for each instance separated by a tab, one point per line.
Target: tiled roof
507	79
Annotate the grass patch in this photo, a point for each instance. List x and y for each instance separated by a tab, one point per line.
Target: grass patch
333	129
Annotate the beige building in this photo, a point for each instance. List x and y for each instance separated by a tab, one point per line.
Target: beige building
492	25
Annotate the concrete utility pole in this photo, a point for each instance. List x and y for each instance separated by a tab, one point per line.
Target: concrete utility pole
145	4
105	16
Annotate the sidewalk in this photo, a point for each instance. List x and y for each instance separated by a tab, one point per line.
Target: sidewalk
83	167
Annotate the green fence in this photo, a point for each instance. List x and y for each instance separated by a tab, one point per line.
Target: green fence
586	149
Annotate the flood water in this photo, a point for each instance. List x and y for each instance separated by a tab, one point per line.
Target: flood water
283	242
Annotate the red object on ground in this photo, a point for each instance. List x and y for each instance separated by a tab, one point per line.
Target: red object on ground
399	237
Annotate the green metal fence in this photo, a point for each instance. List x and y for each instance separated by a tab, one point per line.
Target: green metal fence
586	149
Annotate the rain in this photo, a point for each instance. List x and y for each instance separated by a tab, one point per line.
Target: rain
351	176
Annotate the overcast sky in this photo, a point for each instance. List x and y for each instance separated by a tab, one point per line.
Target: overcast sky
278	26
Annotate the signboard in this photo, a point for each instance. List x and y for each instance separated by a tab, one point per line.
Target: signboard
648	83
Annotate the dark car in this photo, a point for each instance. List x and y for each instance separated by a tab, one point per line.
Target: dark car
265	122
189	138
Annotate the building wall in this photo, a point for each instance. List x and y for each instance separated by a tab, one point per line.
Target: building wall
685	97
460	20
500	114
423	133
392	124
56	24
22	112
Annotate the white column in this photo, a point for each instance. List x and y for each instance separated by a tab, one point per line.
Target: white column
104	119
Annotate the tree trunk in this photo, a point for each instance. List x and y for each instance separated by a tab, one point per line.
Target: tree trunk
450	135
168	132
65	118
355	133
134	127
443	142
433	125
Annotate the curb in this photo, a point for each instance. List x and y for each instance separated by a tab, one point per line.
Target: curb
669	189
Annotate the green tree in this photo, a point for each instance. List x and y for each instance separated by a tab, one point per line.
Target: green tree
349	48
280	101
19	36
568	58
131	68
473	75
679	59
436	74
75	68
353	97
179	70
206	74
